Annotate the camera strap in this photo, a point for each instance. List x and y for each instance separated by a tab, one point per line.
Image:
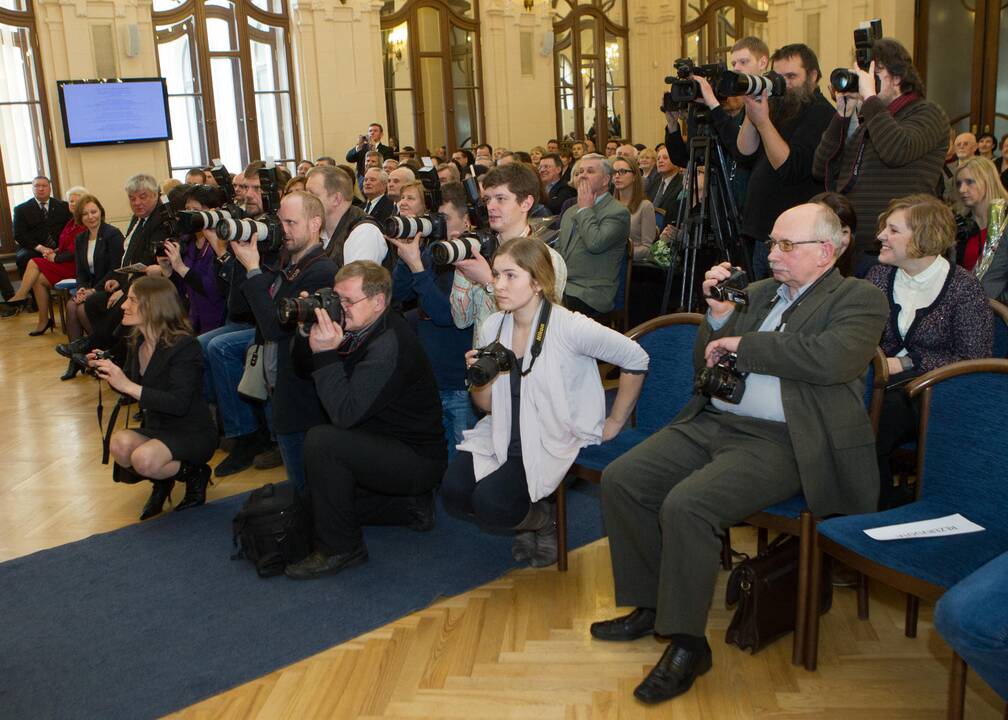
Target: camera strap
540	334
786	315
107	438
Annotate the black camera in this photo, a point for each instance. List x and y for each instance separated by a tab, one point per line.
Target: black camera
291	311
843	80
428	177
83	362
683	89
733	288
722	381
433	226
490	361
483	241
966	227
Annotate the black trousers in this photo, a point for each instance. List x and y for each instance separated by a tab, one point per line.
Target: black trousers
575	305
104	320
22	257
358	478
499	501
897	425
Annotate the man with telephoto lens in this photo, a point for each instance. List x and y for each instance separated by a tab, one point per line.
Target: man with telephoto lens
295	406
348	233
779	138
417	277
884	141
749	55
509	192
378	458
802	345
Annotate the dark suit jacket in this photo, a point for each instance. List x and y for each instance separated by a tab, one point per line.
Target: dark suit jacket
669	201
32	228
651	183
141	246
358	156
821	357
384	209
107	255
560	193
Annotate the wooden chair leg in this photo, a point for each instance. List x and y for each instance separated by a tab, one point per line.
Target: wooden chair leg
811	648
912	608
803	600
726	563
957	689
862	596
762	540
561	516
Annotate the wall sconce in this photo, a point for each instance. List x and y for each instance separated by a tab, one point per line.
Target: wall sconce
397	42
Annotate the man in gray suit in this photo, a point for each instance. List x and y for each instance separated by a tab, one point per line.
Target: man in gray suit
803	344
592	240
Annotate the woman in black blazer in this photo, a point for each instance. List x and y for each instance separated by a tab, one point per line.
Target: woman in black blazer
164	373
98	250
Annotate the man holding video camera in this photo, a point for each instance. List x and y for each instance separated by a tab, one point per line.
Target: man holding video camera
779	138
378	458
348	233
884	141
778	411
295	405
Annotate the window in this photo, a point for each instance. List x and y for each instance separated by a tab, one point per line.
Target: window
433	88
227	64
711	27
26	146
590	65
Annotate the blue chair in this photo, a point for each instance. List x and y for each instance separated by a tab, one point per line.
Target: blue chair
792	517
668	341
1000	348
961	458
618	317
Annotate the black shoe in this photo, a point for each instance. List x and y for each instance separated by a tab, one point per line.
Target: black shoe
317	564
240	458
80	346
50	325
674	674
155	503
268	459
125	475
71	371
421	510
628	627
10	308
195	478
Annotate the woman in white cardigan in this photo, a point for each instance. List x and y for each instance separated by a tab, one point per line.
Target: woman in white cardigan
517	455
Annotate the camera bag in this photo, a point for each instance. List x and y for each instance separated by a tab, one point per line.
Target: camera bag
765	590
272	529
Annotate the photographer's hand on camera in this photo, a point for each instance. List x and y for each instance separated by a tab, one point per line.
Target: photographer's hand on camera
247	254
325	335
866	80
115	377
757	110
719	309
707	96
717	349
848	104
409	252
174	254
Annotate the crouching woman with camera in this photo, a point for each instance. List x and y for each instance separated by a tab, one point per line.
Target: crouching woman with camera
164	373
536	375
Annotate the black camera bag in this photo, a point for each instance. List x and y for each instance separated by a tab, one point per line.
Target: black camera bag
272	529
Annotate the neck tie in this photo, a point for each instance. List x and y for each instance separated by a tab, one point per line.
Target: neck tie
45	209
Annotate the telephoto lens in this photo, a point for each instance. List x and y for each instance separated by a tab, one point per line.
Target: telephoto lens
430	226
446	252
733	84
194	221
242	231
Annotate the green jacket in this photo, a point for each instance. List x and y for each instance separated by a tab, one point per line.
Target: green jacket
821	357
593	243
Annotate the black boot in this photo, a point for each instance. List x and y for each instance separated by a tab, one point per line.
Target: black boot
71	371
535	536
155	503
195	478
80	346
125	475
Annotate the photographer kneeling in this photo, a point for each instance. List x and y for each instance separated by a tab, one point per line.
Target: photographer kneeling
382	454
517	455
164	373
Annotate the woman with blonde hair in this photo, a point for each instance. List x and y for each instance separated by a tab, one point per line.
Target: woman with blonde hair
628	188
163	372
986	199
648	161
544	399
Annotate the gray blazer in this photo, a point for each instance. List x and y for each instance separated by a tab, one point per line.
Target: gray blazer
592	243
821	358
995	280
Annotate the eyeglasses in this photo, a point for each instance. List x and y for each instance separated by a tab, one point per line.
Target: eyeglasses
788	245
347	304
622	171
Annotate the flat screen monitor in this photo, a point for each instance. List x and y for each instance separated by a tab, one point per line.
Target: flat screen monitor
113	112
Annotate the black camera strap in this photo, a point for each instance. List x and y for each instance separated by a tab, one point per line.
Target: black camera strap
540	333
786	315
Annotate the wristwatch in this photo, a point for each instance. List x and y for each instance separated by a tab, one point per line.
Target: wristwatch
489	288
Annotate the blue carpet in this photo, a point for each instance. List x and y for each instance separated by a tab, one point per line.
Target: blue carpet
155	617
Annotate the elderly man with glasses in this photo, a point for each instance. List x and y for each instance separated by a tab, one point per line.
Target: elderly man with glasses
382	453
796	422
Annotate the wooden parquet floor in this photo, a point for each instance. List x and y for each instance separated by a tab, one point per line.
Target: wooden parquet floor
515	648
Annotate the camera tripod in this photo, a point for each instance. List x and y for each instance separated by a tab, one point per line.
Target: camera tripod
714	225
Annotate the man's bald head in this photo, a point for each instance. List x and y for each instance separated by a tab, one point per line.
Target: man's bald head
815	237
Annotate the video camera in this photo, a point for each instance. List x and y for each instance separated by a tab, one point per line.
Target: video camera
843	80
265	230
725	83
733	288
291	311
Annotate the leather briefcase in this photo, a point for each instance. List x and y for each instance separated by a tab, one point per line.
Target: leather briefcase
765	588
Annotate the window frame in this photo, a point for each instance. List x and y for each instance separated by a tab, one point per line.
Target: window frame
705	24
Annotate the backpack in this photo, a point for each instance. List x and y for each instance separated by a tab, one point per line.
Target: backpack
272	529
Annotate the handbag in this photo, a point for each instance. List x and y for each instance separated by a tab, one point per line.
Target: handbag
765	588
253	380
272	530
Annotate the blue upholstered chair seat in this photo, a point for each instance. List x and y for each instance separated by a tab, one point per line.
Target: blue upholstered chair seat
943	561
596	457
791	508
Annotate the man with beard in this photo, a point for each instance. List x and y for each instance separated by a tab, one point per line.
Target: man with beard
779	136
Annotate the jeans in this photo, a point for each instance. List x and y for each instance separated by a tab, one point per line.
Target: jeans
224	357
760	260
292	452
457	416
973	618
499	501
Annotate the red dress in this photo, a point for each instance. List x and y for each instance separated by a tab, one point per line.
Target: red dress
61	269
